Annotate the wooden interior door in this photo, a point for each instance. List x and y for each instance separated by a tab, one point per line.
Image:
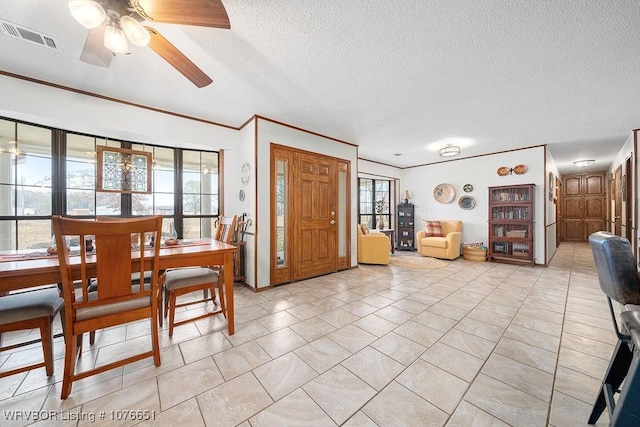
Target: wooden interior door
584	205
628	199
617	215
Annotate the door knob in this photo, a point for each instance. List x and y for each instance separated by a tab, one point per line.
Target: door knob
332	222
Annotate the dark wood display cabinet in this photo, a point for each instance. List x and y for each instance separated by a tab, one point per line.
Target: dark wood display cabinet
511	210
405	231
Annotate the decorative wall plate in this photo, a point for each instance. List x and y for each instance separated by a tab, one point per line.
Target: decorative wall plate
444	193
503	171
467	202
519	169
468	188
245	173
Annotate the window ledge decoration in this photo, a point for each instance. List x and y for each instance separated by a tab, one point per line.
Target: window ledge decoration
122	170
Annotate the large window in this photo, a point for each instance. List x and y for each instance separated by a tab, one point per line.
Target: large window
199	192
48	171
25	185
80	165
374	203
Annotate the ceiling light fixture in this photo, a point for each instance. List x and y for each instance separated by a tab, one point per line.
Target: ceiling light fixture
87	12
449	151
90	14
583	163
115	40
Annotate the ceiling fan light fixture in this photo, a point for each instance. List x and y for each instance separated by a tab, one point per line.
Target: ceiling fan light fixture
87	12
135	31
115	40
449	151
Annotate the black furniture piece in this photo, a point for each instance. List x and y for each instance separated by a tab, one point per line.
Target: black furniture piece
406	228
618	277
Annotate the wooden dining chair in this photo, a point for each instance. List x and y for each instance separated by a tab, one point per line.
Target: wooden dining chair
30	310
115	301
182	281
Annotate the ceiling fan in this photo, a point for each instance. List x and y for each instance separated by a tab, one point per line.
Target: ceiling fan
113	22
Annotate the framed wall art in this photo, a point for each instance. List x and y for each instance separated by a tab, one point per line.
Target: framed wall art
121	170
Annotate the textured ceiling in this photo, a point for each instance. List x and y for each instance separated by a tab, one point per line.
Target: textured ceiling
394	77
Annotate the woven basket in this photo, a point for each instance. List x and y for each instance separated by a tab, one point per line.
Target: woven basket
473	254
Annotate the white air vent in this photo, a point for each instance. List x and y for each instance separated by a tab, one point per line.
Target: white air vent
18	32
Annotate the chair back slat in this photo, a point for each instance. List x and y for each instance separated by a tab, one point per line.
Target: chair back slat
111	251
617	271
226	228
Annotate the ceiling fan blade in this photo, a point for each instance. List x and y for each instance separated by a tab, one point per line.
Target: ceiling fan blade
202	13
177	59
94	51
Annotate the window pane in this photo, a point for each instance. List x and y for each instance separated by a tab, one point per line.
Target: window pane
163	180
81	175
34	170
7	235
7	195
200	183
34	140
160	201
34	234
34	200
81	202
108	204
197	228
163	204
191	204
142	204
7	167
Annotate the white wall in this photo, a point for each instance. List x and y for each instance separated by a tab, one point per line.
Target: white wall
368	169
269	132
551	224
243	152
67	110
481	173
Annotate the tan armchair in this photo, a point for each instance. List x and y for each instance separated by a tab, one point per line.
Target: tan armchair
447	247
373	248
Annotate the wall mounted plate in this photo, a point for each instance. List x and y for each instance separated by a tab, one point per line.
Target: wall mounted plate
245	173
519	169
444	193
467	202
468	188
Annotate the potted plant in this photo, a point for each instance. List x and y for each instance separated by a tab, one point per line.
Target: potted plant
380	206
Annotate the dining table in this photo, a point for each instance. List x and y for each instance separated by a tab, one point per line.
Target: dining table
23	269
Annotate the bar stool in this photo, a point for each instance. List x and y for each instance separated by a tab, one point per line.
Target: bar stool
618	278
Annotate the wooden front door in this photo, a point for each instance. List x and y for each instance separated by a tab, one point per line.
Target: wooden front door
315	223
584	205
309	214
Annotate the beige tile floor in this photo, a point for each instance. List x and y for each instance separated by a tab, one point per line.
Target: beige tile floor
471	344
